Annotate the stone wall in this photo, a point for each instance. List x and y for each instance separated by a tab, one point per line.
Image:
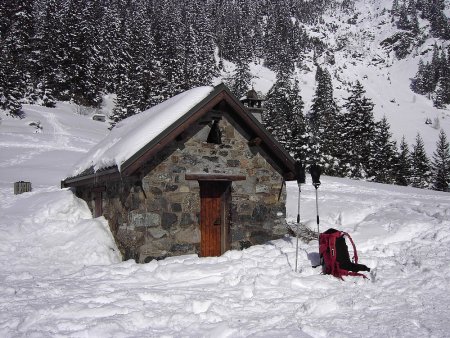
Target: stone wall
157	215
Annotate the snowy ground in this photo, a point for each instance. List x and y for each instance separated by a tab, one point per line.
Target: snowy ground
61	276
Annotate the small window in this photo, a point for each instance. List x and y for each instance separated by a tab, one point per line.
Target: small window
215	135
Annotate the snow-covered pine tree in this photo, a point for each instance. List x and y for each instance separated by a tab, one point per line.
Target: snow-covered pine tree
358	131
435	65
442	93
81	62
277	117
48	41
298	145
419	82
16	45
140	74
206	62
240	81
415	28
440	165
325	123
110	29
169	46
395	7
278	45
403	21
283	116
382	164
440	27
190	54
420	170
404	165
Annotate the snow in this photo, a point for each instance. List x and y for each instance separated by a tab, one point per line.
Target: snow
387	83
386	80
132	134
61	274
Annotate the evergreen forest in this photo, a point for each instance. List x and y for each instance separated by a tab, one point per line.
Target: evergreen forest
146	51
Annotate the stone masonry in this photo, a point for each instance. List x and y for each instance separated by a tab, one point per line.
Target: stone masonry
156	215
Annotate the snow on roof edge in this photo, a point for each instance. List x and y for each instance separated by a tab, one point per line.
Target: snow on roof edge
133	133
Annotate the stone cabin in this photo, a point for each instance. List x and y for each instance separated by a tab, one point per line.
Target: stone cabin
197	174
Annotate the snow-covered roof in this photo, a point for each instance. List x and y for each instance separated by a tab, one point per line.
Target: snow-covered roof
135	140
133	133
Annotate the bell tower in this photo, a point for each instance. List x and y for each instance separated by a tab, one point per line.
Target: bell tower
253	104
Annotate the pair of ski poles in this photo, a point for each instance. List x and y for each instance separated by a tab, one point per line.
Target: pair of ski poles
315	172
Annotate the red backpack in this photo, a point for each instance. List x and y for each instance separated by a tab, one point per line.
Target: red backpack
334	255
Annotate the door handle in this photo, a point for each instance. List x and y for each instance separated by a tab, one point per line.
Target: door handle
218	221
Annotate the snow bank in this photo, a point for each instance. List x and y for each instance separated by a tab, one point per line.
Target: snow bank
51	285
52	230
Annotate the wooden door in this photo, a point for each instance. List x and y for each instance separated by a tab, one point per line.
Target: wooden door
215	201
98	208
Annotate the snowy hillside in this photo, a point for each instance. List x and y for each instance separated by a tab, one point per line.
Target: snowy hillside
61	275
356	53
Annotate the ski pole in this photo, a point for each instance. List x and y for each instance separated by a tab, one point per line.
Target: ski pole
300	173
298	225
317	212
315	172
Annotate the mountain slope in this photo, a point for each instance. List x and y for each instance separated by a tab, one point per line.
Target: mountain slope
355	52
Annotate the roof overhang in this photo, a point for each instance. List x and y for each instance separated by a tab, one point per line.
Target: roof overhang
219	97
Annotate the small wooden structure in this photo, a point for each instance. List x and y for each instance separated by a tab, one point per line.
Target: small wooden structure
208	183
21	187
99	117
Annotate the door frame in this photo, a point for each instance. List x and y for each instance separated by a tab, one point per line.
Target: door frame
225	205
214	210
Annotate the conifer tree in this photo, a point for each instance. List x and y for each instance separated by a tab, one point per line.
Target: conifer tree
423	83
16	43
403	168
442	94
358	131
206	59
395	7
111	47
169	46
403	21
440	165
240	82
383	162
325	123
298	145
435	65
81	61
49	42
140	74
420	170
284	113
415	28
277	117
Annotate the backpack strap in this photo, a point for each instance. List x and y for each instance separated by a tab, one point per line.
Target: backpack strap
351	273
355	253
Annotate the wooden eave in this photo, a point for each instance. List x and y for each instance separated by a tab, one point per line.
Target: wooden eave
99	177
218	96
